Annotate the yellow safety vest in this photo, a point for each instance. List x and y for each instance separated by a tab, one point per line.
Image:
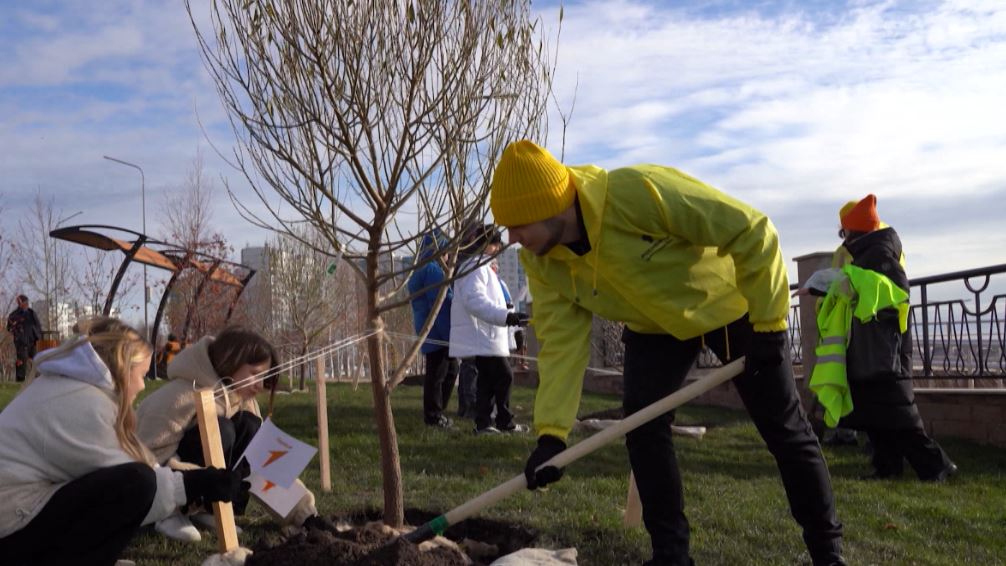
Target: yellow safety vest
861	293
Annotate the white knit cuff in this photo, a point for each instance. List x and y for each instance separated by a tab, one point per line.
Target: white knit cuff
179	488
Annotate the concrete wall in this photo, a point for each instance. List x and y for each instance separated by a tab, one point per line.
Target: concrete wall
975	414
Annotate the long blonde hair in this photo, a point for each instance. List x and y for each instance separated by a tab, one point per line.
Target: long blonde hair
120	347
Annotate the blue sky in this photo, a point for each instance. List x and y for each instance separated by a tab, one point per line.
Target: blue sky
792	106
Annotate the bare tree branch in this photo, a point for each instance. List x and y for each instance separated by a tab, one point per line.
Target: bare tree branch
375	122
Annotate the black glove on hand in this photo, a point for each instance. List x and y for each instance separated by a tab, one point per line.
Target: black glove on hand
768	350
319	523
548	446
206	485
517	319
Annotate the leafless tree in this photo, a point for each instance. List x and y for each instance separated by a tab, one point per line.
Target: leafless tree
188	218
96	274
374	122
309	293
188	212
43	263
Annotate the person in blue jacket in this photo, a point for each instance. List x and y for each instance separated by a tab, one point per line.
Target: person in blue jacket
441	369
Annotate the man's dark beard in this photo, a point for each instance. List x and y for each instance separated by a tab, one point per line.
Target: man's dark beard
554	227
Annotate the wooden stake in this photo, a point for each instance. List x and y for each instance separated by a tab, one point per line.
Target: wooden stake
633	508
213	455
323	452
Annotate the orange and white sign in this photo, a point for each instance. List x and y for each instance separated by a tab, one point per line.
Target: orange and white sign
280	499
276	456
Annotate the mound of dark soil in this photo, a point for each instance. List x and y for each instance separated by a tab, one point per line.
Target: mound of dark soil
368	544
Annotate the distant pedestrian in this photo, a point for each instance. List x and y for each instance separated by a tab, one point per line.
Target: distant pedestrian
171	347
24	325
441	368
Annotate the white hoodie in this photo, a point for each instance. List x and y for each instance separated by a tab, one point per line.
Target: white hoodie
478	314
60	428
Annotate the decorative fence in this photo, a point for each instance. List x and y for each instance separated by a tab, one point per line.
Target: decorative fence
960	342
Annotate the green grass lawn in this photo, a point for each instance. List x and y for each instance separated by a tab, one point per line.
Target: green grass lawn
735	500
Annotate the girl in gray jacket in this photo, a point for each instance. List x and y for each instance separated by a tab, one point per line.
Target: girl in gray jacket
75	481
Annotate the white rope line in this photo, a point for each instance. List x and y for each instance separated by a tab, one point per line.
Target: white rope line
517	356
293	362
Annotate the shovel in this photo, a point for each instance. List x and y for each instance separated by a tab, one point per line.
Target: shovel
440	524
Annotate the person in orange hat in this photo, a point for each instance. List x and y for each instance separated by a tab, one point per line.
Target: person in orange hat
682	265
879	359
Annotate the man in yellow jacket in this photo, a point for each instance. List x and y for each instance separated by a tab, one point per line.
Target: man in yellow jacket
681	264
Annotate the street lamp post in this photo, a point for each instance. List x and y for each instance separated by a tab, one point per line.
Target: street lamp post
143	196
55	273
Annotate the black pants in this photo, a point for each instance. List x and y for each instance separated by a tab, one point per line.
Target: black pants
24	352
467	379
89	521
492	387
235	435
892	447
441	371
656	366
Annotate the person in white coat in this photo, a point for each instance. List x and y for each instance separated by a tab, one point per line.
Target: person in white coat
479	321
76	483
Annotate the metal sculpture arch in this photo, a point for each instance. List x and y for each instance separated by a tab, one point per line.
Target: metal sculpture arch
140	248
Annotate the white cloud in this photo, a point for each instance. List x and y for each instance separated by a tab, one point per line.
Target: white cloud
788	107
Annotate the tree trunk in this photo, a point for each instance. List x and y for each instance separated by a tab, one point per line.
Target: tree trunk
391	470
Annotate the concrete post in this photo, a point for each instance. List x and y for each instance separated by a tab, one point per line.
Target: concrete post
806	265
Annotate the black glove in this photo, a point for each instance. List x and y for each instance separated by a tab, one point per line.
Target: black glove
509	306
320	523
548	446
768	350
206	485
517	319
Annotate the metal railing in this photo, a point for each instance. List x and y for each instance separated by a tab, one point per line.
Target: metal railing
960	339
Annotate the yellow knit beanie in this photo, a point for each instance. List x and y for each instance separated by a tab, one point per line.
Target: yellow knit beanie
529	185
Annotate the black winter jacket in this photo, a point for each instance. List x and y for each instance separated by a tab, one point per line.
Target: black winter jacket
879	357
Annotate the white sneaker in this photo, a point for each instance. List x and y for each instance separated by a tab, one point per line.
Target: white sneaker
125	563
206	521
178	527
